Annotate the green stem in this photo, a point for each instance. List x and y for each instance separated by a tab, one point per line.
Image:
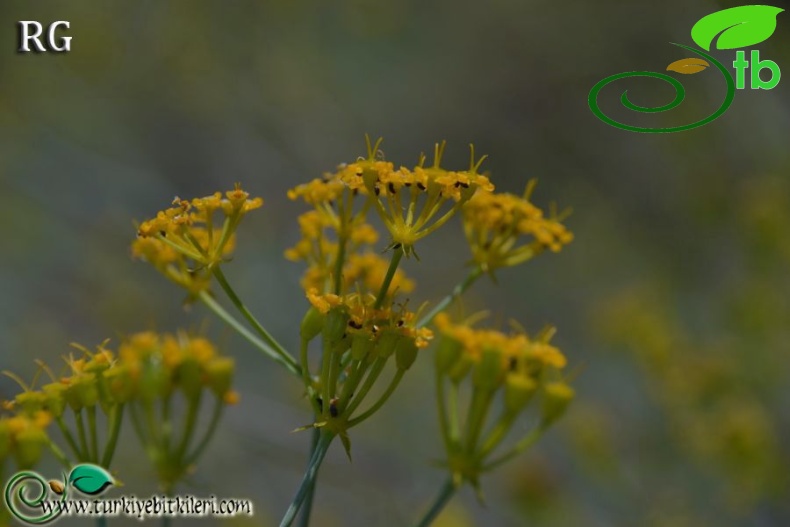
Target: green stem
370	380
309	385
443	419
212	428
478	410
81	434
308	480
457	291
189	426
101	521
94	434
69	438
526	442
307	507
341	256
234	298
497	434
115	429
264	348
445	494
397	254
383	399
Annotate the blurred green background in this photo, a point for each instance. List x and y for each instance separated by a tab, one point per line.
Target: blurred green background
674	297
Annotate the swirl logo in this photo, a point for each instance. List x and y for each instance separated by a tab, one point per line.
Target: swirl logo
736	27
29	496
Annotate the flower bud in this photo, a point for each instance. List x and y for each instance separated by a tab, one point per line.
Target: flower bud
335	324
405	353
30	444
120	385
189	377
488	372
55	397
387	342
154	381
556	398
82	391
30	402
219	373
519	390
448	352
312	324
361	345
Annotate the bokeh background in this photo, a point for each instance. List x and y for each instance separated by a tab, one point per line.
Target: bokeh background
673	298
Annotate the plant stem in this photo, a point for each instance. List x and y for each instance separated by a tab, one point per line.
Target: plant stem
308	480
101	521
264	348
83	440
115	428
189	426
234	298
212	427
94	437
457	291
397	254
59	455
445	494
304	520
69	438
383	399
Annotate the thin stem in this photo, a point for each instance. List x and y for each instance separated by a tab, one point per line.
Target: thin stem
115	429
443	420
481	401
307	507
306	377
383	399
526	442
456	293
69	438
370	380
94	434
308	479
264	348
189	425
341	256
397	254
445	494
234	298
212	427
83	438
101	521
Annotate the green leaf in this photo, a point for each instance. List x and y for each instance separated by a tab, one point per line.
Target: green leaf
90	479
739	27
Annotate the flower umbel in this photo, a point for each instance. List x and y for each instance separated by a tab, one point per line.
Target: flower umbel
504	230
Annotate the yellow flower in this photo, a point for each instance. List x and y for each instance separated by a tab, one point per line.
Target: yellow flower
412	203
505	230
183	242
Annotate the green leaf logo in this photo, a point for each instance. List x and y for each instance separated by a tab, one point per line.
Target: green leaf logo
739	27
90	479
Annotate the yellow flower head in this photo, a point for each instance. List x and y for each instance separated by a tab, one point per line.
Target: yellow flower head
184	243
505	230
411	203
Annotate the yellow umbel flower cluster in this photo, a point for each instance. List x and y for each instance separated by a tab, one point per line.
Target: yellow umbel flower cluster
24	437
504	230
497	366
186	243
144	377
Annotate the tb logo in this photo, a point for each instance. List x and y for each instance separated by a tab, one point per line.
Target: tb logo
30	33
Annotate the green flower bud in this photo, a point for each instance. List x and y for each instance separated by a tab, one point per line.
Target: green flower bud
312	324
405	353
82	391
361	345
335	324
519	390
489	372
55	397
30	402
556	398
120	385
30	444
387	342
154	380
219	374
448	352
189	377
